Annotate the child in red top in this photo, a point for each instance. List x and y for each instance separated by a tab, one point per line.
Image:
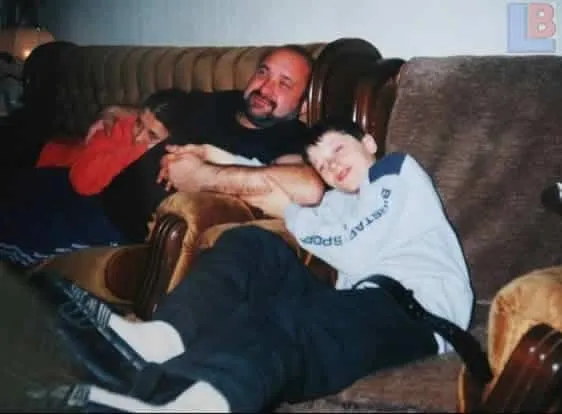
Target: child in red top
106	155
108	150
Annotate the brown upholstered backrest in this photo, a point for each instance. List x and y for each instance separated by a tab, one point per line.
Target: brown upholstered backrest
66	85
489	130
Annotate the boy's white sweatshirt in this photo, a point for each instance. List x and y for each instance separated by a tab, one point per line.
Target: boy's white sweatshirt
395	226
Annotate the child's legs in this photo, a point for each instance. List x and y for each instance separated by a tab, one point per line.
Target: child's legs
247	265
345	335
294	350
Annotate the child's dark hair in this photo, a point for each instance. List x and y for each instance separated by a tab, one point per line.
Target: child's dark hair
169	106
319	129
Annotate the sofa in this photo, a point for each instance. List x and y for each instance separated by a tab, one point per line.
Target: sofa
486	128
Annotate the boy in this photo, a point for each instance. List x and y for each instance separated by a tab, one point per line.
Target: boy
250	326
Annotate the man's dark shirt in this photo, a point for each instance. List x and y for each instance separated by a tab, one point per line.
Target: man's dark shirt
133	195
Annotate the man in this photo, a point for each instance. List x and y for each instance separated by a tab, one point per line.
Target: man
261	123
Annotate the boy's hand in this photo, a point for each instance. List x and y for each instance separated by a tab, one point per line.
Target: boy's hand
273	203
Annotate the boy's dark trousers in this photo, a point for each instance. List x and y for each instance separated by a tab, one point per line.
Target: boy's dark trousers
262	329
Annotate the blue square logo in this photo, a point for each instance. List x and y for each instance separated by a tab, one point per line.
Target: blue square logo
531	27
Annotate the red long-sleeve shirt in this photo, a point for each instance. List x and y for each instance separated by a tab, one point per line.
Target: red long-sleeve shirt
104	157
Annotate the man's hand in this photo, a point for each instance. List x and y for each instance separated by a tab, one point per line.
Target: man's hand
187	173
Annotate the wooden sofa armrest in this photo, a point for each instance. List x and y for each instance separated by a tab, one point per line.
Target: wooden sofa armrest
374	97
530	380
525	321
164	248
173	233
351	79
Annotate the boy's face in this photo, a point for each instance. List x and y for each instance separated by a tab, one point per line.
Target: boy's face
341	160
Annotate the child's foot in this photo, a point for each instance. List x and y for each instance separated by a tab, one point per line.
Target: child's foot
153	341
128	345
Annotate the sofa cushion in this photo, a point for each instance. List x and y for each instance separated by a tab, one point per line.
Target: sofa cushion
488	129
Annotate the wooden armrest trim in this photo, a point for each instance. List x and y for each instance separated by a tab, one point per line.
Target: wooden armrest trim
531	380
164	248
375	93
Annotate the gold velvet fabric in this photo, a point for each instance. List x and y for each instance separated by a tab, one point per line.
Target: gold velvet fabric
528	300
201	211
88	268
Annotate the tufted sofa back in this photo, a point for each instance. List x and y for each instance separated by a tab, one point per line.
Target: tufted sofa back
66	85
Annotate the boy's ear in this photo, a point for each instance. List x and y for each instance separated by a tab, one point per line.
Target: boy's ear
370	144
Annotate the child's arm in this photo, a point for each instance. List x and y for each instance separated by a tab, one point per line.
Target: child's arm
103	158
273	203
338	233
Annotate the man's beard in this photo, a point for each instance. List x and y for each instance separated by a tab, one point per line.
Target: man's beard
267	120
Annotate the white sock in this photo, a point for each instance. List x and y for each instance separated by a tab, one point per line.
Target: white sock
155	341
200	397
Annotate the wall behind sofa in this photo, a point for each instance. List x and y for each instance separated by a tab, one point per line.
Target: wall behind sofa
401	28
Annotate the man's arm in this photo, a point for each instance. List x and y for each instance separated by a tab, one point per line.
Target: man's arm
299	181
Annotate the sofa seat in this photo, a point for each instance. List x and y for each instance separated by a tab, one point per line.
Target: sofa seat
423	386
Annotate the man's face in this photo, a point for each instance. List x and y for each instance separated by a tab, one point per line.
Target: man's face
275	90
341	160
